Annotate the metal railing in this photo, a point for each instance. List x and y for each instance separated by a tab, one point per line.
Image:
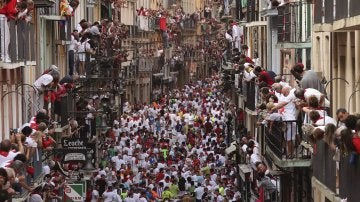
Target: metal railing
250	90
293	26
354	8
17	39
252	13
36	162
281	135
343	9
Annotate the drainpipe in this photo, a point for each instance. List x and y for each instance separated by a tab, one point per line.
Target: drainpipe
331	72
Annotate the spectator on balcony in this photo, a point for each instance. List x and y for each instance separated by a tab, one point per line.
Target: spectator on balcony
263	76
94	29
319	120
164	30
253	157
30	142
17	174
341	115
267	187
25	10
7	12
6	153
277	88
228	46
84	49
307	79
79	26
207	11
236	33
256	60
43	82
305	94
287	108
313	104
73	47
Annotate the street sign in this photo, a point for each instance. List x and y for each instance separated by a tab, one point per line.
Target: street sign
74	192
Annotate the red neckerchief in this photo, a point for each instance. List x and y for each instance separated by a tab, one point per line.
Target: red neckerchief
4	153
318	119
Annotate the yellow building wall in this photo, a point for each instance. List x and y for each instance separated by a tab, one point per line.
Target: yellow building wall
337	55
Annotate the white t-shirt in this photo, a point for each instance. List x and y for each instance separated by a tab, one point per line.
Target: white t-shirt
94	195
109	196
43	80
199	191
289	110
118	162
313	92
5	159
36	198
254	158
323	121
82	48
46	169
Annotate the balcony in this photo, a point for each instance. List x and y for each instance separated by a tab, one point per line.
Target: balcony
294	26
21	44
44	3
275	143
252	12
250	91
337	10
336	175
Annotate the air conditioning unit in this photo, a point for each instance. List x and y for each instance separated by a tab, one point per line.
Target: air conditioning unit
44	3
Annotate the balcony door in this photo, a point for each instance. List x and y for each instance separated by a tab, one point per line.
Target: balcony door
53	34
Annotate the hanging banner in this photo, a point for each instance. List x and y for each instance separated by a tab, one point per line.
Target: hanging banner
74	192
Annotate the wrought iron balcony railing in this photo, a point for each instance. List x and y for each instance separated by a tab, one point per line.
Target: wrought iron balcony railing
294	23
285	144
332	10
17	41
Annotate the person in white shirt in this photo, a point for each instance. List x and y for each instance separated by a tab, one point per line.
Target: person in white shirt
229	39
83	49
118	160
95	194
305	94
116	129
110	196
73	46
287	109
42	82
79	26
237	34
319	120
199	191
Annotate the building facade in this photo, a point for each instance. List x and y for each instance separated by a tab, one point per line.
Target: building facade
335	45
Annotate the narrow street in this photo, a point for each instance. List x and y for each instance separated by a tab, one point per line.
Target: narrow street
179	100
